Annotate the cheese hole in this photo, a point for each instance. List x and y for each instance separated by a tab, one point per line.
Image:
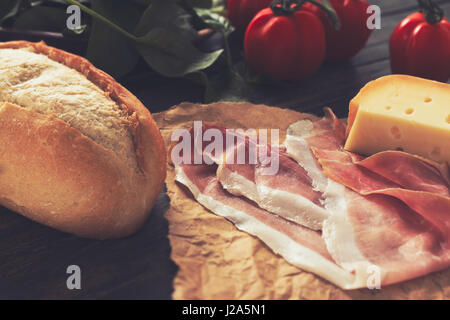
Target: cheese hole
409	111
428	100
395	131
448	119
388	107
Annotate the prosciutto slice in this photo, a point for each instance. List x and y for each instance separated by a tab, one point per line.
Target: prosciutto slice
288	193
418	184
386	216
376	220
299	245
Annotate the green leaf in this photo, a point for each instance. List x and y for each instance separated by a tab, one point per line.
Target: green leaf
236	84
166	38
62	1
201	78
215	21
42	18
206	4
239	84
9	8
218	3
144	3
218	6
166	14
108	49
171	54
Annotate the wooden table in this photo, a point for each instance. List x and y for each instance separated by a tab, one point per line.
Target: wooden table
34	258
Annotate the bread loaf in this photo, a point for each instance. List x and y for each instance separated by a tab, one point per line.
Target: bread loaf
78	152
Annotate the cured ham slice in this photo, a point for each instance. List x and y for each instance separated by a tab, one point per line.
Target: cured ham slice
286	190
386	217
376	220
418	185
409	171
421	184
288	193
299	245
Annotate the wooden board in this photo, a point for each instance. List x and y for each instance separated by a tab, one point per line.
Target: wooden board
33	258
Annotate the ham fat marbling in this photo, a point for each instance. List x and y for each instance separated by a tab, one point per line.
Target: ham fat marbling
330	212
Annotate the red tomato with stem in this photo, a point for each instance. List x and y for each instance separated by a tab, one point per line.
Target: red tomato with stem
352	36
420	44
287	45
241	12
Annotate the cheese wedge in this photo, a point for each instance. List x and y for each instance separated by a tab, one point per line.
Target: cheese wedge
404	113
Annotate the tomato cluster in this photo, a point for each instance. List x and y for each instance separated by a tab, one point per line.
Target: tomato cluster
289	40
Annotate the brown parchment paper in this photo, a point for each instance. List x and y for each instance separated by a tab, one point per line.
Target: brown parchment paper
217	261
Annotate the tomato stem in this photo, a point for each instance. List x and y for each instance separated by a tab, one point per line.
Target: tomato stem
288	7
326	6
431	11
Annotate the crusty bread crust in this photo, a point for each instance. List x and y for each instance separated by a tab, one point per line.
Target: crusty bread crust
55	175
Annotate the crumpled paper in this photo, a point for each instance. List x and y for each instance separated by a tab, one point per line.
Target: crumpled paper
217	261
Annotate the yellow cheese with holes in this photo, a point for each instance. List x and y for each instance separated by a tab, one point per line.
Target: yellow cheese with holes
401	112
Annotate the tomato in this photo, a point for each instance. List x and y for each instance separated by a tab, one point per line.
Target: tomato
241	12
421	48
289	46
353	34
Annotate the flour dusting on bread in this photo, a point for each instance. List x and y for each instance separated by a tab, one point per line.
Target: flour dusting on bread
33	81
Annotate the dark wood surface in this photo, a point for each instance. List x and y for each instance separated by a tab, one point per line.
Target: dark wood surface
34	258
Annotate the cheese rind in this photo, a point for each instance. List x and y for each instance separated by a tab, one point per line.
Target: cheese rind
401	113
